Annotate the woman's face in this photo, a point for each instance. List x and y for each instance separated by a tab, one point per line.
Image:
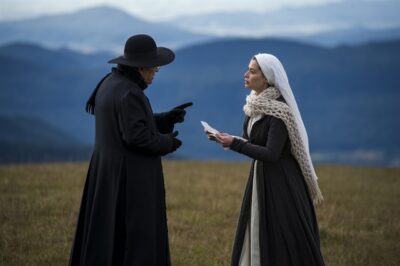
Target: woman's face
148	74
254	78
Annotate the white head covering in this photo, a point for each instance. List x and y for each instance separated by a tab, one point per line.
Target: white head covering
276	76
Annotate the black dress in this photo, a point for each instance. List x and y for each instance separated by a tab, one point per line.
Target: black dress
287	226
122	219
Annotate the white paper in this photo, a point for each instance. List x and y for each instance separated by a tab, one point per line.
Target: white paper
213	131
208	128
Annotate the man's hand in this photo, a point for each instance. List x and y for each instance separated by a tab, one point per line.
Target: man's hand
177	114
176	143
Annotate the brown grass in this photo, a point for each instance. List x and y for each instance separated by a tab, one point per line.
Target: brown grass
358	219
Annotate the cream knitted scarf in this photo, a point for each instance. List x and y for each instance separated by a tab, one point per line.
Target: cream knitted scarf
266	103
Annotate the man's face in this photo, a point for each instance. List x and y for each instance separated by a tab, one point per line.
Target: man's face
148	73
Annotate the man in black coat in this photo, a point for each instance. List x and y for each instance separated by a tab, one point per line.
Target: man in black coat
122	219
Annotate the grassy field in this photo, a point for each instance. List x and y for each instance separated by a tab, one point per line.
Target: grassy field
359	219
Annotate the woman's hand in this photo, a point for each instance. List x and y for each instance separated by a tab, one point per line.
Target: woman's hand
225	139
210	136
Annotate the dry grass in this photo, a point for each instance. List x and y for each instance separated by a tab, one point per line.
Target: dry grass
358	220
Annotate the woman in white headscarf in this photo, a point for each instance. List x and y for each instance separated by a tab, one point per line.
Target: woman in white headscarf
277	223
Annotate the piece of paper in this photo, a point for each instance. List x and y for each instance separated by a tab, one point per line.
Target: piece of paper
213	131
208	128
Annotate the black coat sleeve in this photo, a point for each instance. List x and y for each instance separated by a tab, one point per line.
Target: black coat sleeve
271	152
135	130
164	124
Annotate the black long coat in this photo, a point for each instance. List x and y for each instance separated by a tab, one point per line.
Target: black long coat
288	230
122	219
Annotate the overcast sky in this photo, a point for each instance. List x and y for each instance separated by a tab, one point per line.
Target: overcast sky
153	10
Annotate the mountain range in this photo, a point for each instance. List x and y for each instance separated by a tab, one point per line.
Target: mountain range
31	139
301	21
91	30
106	28
347	95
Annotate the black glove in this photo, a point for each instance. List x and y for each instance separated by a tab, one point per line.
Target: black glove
177	114
176	143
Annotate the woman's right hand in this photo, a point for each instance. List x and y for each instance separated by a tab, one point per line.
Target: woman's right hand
210	136
224	139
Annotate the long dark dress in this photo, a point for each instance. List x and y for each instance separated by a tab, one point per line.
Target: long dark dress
288	230
122	219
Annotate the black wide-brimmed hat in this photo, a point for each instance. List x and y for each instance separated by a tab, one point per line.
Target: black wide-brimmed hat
141	51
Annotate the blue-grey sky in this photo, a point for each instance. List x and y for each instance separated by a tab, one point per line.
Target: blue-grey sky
152	10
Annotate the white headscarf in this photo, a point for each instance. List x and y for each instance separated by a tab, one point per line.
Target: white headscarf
276	76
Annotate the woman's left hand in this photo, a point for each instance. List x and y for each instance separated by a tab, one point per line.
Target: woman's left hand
225	139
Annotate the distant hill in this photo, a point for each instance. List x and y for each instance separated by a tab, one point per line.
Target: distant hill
93	29
30	139
347	95
352	36
50	84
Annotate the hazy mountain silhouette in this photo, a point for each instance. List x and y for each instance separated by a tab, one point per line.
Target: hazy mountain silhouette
106	28
297	22
353	36
94	29
30	139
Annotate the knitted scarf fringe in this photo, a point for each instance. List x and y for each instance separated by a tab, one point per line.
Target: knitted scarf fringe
266	103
